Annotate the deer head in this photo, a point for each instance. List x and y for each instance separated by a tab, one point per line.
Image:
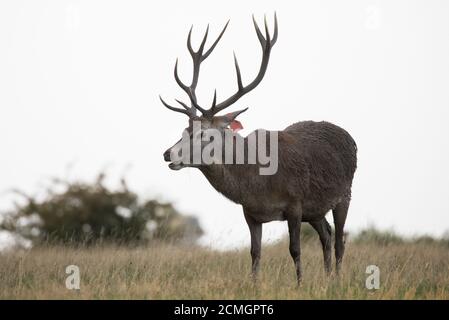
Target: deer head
209	118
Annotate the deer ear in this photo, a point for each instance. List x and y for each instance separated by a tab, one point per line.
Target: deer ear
235	125
229	120
232	115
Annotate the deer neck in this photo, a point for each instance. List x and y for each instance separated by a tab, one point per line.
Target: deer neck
229	179
226	179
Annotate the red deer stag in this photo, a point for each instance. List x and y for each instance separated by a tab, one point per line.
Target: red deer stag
316	163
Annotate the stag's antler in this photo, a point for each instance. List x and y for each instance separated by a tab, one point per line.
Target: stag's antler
266	42
197	58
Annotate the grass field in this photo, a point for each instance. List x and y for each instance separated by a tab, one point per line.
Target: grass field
407	271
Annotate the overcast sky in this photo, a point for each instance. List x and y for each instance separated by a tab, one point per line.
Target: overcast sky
79	85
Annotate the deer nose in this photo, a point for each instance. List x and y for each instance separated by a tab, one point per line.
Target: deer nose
167	155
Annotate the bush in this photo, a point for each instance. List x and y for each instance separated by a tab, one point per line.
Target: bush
378	237
87	213
374	236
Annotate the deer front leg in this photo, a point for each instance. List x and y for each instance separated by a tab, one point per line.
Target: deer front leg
255	229
294	227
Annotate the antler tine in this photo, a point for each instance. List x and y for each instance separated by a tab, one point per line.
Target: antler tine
182	104
208	52
275	32
259	34
200	50
237	71
189	42
187	112
214	101
178	81
267	43
267	32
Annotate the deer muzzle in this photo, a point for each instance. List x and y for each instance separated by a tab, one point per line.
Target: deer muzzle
167	156
172	165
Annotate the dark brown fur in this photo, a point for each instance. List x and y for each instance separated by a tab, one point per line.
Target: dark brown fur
317	161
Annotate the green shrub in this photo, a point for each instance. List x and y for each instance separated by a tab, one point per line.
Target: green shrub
90	212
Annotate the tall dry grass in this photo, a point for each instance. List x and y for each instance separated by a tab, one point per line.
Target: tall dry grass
407	271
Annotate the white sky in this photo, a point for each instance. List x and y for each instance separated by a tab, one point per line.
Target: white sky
79	84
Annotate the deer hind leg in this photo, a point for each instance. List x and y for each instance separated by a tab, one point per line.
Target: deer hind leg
325	232
294	228
255	229
340	212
